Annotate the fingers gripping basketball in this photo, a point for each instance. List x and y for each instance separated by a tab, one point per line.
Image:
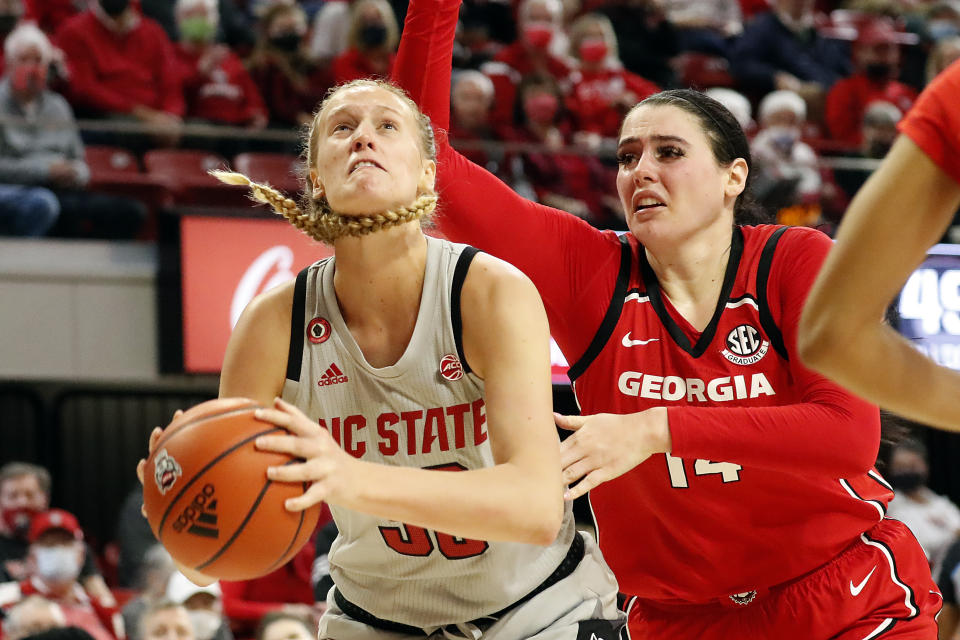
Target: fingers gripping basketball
209	501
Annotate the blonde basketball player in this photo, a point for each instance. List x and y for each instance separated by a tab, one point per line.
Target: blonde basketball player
400	361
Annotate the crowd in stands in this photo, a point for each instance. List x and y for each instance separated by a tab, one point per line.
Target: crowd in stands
540	87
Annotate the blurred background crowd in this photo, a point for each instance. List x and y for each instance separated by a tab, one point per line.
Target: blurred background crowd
111	110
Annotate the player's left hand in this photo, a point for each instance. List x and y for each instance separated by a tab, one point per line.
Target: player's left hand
606	445
323	463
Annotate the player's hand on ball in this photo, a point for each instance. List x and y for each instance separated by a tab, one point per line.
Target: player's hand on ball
606	445
325	465
151	445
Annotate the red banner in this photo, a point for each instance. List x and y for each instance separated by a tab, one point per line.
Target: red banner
226	262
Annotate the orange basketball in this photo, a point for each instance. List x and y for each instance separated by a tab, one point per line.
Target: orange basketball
208	498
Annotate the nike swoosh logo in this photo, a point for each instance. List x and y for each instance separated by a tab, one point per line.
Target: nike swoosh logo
855	590
627	342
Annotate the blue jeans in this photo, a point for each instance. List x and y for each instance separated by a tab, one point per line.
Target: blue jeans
27	211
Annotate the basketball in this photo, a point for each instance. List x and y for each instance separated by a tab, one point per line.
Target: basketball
208	498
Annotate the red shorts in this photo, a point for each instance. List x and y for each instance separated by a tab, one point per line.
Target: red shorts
879	587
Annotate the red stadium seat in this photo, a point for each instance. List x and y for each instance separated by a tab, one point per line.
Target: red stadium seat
184	171
117	171
280	170
111	160
702	71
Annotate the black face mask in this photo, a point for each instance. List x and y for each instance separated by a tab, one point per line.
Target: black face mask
908	482
878	71
373	35
288	42
114	8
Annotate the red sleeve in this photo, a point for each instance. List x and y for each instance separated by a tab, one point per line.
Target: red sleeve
934	121
85	90
237	607
568	260
830	431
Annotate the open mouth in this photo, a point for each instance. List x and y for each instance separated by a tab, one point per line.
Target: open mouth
359	164
647	203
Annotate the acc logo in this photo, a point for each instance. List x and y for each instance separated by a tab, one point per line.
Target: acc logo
318	330
450	367
745	345
166	470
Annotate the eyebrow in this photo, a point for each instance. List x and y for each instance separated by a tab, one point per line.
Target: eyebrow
347	106
654	138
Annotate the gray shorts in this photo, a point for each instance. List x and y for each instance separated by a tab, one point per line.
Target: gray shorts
582	606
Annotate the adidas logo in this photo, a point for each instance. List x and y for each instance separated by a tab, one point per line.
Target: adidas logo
200	516
332	375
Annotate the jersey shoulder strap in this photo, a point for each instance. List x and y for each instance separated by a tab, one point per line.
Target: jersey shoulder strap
767	321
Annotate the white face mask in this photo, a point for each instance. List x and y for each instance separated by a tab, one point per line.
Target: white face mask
205	623
57	564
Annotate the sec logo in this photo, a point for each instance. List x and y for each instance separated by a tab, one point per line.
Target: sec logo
745	345
450	367
318	330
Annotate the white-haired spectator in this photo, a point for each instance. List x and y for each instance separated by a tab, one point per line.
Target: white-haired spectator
34	614
878	131
166	620
40	145
788	171
471	100
154	575
737	104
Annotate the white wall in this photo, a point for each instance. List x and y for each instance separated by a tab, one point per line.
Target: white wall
73	309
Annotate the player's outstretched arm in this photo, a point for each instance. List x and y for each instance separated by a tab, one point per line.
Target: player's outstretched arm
519	498
896	216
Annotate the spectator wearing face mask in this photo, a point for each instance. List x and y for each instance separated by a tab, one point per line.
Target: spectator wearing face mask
290	83
372	38
788	172
876	55
54	560
204	606
877	133
25	493
562	179
603	91
536	52
40	146
151	585
121	65
933	519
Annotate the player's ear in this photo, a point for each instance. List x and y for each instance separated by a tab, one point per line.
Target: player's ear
317	186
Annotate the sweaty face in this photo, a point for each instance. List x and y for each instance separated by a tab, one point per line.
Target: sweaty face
368	156
669	182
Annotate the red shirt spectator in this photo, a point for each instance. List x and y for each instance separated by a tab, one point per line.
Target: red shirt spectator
289	587
118	68
527	56
600	98
49	14
877	56
352	65
217	87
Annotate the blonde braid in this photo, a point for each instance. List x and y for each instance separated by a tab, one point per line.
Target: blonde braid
327	225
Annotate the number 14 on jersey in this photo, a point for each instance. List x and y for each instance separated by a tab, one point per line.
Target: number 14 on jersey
728	471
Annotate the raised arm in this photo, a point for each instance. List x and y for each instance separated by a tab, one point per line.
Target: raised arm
563	255
519	498
896	216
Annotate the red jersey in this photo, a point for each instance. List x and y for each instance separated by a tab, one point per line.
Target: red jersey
784	456
227	94
848	99
934	122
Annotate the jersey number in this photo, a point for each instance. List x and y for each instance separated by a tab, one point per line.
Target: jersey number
728	471
411	540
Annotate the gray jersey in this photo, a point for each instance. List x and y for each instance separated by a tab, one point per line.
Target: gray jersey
425	411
